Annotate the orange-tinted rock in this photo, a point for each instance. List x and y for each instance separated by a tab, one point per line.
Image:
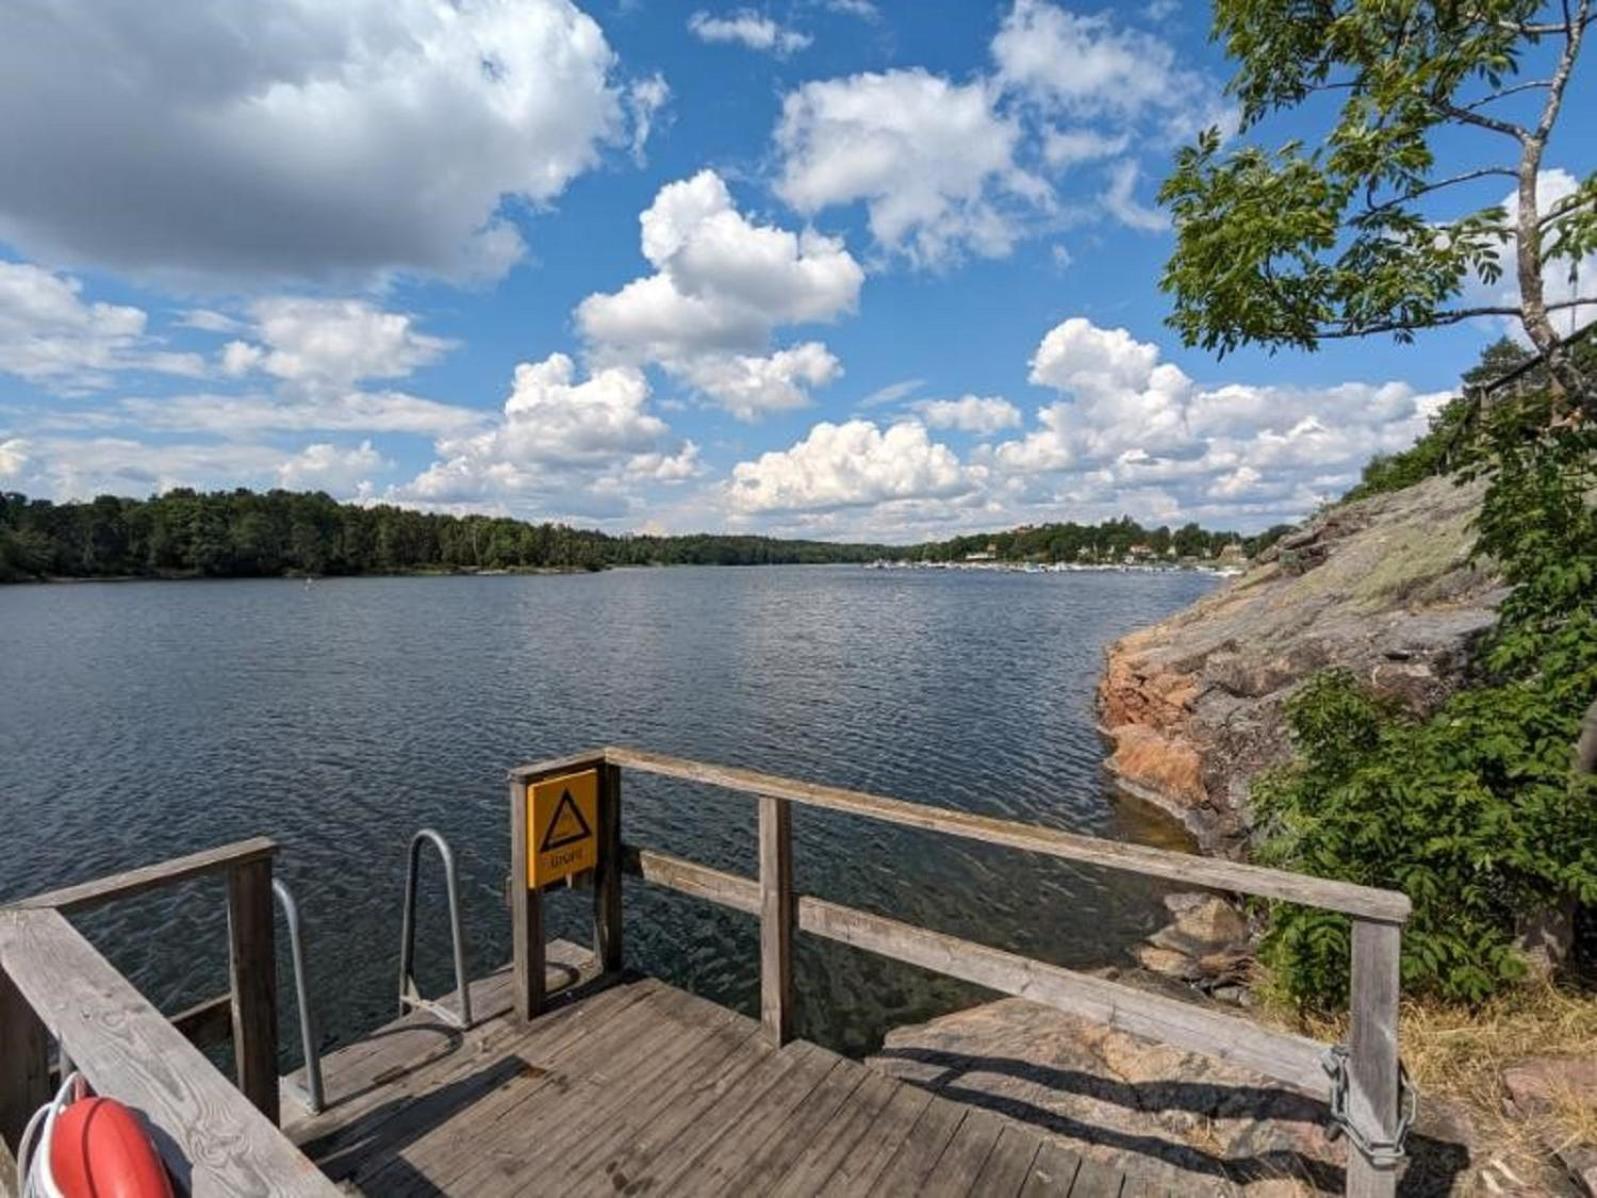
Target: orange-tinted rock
1146	759
1194	706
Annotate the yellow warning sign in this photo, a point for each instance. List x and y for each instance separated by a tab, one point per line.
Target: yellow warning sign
562	827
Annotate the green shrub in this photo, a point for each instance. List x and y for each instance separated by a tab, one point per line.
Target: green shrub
1476	812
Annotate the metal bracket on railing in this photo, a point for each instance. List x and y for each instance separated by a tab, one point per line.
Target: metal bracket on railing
1381	1153
311	1095
409	994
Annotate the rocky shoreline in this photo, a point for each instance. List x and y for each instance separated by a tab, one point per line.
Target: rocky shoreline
1192	707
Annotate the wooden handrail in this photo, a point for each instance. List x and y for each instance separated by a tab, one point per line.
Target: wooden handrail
1364	902
212	1140
246	865
87	895
1378	916
1281	1055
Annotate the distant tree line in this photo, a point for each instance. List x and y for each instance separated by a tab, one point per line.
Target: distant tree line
234	534
1110	541
246	534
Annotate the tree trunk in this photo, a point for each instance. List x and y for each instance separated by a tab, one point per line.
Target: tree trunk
1528	241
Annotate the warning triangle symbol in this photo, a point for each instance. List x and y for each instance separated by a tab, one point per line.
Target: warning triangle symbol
567	826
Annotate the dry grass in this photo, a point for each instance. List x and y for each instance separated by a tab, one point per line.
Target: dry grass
1459	1055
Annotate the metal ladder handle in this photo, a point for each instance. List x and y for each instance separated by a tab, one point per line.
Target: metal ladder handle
409	992
312	1095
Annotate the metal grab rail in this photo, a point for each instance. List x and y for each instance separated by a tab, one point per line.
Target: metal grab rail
312	1095
409	993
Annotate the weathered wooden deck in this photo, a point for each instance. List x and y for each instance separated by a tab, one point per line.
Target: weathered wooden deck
639	1088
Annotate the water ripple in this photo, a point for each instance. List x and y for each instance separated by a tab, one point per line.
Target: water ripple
144	720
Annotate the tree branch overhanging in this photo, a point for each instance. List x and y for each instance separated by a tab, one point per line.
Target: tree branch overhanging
1484	172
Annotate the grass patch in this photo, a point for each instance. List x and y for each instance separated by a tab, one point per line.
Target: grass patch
1458	1054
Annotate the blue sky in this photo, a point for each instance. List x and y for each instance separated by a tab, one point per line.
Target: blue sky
824	267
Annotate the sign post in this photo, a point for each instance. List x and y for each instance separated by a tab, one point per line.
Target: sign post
565	821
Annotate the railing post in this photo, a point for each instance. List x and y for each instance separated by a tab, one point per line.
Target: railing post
527	949
252	961
777	917
607	874
1373	1096
24	1061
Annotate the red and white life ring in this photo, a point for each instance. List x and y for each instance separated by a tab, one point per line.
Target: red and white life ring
90	1147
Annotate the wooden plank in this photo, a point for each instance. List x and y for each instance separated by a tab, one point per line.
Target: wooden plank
691	878
574	763
8	1173
717	1056
416	1039
86	895
1373	1060
480	1149
745	1072
557	1132
527	947
823	1154
963	1161
607	874
1053	1172
765	1165
212	1140
1289	1058
907	1171
1188	869
388	1086
663	1153
821	1078
252	965
1009	1163
776	919
24	1062
873	1151
1097	1180
207	1023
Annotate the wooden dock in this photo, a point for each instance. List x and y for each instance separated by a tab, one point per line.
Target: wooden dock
639	1088
569	1074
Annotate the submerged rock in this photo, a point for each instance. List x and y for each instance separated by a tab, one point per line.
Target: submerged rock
1384	587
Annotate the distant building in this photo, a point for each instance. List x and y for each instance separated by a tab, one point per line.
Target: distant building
1140	551
985	555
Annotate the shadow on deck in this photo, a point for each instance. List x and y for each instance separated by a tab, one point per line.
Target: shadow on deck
637	1088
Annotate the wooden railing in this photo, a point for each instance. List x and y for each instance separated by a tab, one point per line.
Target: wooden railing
54	985
246	1014
1377	915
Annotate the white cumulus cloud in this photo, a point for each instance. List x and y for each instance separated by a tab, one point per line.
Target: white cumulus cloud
970	413
331	342
325	467
579	444
722	285
49	335
246	140
933	161
853	464
1133	430
13	456
748	28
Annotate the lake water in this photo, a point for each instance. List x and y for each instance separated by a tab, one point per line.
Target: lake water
140	721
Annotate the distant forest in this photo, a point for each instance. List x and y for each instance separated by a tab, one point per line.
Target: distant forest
234	534
1111	541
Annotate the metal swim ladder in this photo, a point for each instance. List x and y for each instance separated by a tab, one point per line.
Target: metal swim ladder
311	1095
409	993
